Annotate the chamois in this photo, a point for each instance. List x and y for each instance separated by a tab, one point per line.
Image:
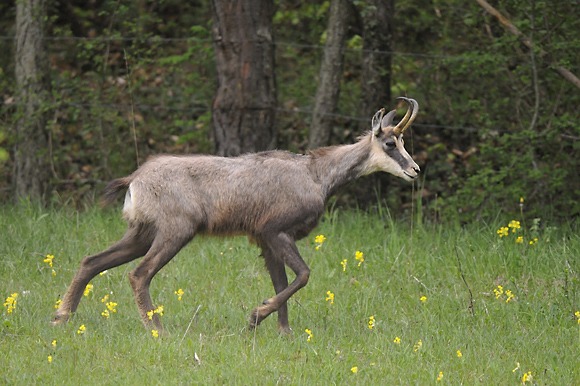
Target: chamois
274	197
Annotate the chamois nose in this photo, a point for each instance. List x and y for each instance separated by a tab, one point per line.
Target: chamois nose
417	169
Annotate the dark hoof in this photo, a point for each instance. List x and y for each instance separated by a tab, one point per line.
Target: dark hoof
285	330
58	320
257	316
255	319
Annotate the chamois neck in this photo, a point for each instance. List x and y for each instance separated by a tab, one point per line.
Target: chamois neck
335	166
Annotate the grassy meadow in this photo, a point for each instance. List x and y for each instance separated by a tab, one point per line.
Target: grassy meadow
421	304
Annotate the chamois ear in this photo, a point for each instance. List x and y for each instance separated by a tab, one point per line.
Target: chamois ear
376	121
388	119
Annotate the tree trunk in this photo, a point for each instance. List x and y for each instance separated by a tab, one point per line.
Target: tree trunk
244	106
31	153
377	18
328	89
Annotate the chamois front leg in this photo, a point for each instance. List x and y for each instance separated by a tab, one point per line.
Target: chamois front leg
284	248
280	281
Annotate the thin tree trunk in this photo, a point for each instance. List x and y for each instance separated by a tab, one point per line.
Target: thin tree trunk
377	46
328	89
31	176
243	109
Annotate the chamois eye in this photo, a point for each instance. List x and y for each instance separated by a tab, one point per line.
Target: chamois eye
389	144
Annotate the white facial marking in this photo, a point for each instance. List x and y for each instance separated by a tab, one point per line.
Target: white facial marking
380	160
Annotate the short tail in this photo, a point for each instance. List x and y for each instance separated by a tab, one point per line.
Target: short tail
113	189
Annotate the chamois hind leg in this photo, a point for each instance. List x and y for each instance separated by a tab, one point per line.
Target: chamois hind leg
163	249
135	243
284	247
280	281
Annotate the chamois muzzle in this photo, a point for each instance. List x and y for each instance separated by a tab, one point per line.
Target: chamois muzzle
412	172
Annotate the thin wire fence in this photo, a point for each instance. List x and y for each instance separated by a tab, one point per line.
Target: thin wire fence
120	39
203	107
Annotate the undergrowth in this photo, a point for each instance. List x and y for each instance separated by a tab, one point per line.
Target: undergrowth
386	302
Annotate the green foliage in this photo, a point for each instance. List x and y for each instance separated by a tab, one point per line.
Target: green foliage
439	285
496	123
114	91
303	15
507	127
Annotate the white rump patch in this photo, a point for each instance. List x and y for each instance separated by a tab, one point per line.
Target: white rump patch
129	205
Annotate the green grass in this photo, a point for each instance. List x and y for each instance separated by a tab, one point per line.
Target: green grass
223	279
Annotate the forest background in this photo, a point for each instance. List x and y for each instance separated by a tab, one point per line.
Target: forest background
498	120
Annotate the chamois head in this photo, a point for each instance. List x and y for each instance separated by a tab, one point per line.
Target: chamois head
388	153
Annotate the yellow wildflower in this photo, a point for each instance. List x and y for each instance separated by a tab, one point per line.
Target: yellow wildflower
155	334
423	299
158	311
57	303
520	240
343	263
503	232
309	333
418	345
360	257
82	329
49	359
514	225
319	240
179	294
397	340
517	367
533	241
459	354
88	289
105	298
440	376
10	303
354	369
111	306
48	260
105	314
510	295
329	297
527	377
577	314
53	343
371	323
498	291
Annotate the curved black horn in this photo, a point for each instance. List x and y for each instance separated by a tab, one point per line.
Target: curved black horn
409	116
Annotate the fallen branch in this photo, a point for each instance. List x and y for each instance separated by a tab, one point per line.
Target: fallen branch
471	306
564	72
187	329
